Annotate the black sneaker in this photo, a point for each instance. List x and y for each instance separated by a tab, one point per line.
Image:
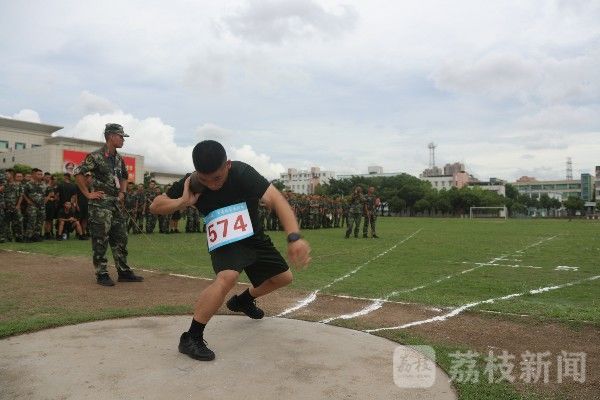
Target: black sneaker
250	309
129	276
104	280
375	237
195	348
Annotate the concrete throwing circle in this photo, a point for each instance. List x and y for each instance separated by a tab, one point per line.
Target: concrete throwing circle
137	358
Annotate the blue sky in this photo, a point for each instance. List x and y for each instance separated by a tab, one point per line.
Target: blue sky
509	88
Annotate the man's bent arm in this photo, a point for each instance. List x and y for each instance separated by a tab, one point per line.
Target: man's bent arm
163	205
274	200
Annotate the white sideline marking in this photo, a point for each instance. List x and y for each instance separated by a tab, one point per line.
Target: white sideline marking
376	305
460	309
566	268
313	295
377	302
343	296
504	265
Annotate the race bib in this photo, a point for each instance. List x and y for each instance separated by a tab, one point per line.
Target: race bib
228	225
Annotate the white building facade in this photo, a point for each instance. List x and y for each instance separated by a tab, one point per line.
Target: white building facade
305	181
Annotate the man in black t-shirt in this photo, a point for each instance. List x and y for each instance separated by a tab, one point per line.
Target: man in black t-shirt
235	238
66	191
67	221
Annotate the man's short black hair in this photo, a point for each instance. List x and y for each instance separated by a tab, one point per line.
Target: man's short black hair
208	156
47	174
36	170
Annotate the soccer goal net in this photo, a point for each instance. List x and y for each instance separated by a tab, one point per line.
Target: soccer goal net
488	212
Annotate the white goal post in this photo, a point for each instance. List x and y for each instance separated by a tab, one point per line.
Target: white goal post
488	212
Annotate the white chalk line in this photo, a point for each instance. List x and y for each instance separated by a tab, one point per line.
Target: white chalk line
313	295
462	308
378	303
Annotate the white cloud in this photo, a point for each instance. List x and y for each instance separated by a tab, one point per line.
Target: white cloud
261	162
27	115
539	78
155	140
90	103
275	21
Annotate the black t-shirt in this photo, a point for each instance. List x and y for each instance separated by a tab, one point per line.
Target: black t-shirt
63	214
243	185
65	191
81	199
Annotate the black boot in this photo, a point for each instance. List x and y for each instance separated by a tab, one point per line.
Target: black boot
104	280
129	276
249	308
195	348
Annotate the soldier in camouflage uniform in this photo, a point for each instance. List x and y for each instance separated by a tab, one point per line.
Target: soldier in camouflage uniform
345	212
34	193
2	205
163	220
130	207
314	210
150	196
337	213
50	206
192	224
140	198
107	222
370	213
355	209
13	197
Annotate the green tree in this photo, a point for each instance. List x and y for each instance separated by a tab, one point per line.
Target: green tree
518	209
574	204
421	205
278	183
22	168
147	178
511	191
397	204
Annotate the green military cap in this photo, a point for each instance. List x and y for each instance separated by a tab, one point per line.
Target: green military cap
115	128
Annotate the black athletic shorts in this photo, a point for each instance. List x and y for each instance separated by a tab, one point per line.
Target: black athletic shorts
256	256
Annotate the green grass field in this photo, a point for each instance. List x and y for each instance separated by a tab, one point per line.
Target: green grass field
445	263
440	248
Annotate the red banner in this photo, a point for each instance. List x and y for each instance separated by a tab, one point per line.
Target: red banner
72	158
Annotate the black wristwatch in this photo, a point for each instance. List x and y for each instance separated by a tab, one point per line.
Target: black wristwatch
292	237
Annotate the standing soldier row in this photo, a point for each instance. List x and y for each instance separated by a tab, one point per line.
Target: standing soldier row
365	206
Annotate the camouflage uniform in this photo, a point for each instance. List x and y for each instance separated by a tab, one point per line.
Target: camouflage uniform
130	210
262	215
370	215
36	212
355	211
345	213
150	218
314	213
2	205
337	213
140	198
192	223
13	217
107	220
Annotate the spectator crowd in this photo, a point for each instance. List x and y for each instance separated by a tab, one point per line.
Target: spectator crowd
40	206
